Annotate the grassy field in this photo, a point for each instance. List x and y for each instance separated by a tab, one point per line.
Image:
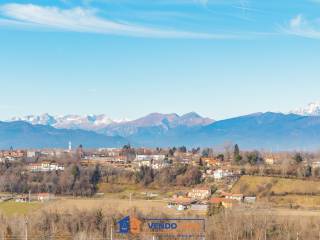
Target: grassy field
123	191
296	200
12	208
111	204
257	184
155	208
281	191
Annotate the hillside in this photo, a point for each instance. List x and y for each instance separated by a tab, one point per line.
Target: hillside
280	191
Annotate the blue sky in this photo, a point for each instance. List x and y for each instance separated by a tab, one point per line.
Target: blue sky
127	58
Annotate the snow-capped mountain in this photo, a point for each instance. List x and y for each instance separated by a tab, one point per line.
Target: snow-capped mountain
156	124
44	119
123	127
312	109
87	122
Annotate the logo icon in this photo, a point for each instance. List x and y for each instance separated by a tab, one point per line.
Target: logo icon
129	225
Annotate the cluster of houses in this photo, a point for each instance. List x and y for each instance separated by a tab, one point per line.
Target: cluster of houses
26	198
45	160
40	197
45	166
157	159
200	198
11	155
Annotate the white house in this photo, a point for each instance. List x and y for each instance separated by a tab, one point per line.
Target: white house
200	193
156	157
220	174
45	167
153	161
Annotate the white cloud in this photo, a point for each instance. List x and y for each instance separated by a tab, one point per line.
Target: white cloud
303	27
86	20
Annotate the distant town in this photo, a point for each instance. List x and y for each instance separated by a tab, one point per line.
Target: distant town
198	178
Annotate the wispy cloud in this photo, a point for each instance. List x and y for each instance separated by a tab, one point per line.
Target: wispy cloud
81	19
300	26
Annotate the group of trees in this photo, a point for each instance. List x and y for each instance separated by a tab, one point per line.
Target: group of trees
83	181
178	175
252	158
75	180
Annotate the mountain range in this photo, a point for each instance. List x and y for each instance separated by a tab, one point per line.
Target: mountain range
103	123
272	131
19	134
46	130
71	121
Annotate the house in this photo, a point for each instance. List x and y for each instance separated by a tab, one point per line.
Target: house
22	199
315	164
156	161
181	201
232	196
44	197
212	162
200	193
45	166
250	199
220	174
150	157
269	161
16	154
31	154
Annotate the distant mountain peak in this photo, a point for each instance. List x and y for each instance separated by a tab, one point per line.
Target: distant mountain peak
191	115
312	109
102	121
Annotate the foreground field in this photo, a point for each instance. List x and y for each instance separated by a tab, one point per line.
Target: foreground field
276	196
111	204
108	204
12	208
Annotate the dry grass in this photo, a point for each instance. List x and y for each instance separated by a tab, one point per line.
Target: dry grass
296	200
112	204
290	193
12	208
256	184
124	190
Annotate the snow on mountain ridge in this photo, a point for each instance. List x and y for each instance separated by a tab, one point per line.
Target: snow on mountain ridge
87	122
312	109
102	121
